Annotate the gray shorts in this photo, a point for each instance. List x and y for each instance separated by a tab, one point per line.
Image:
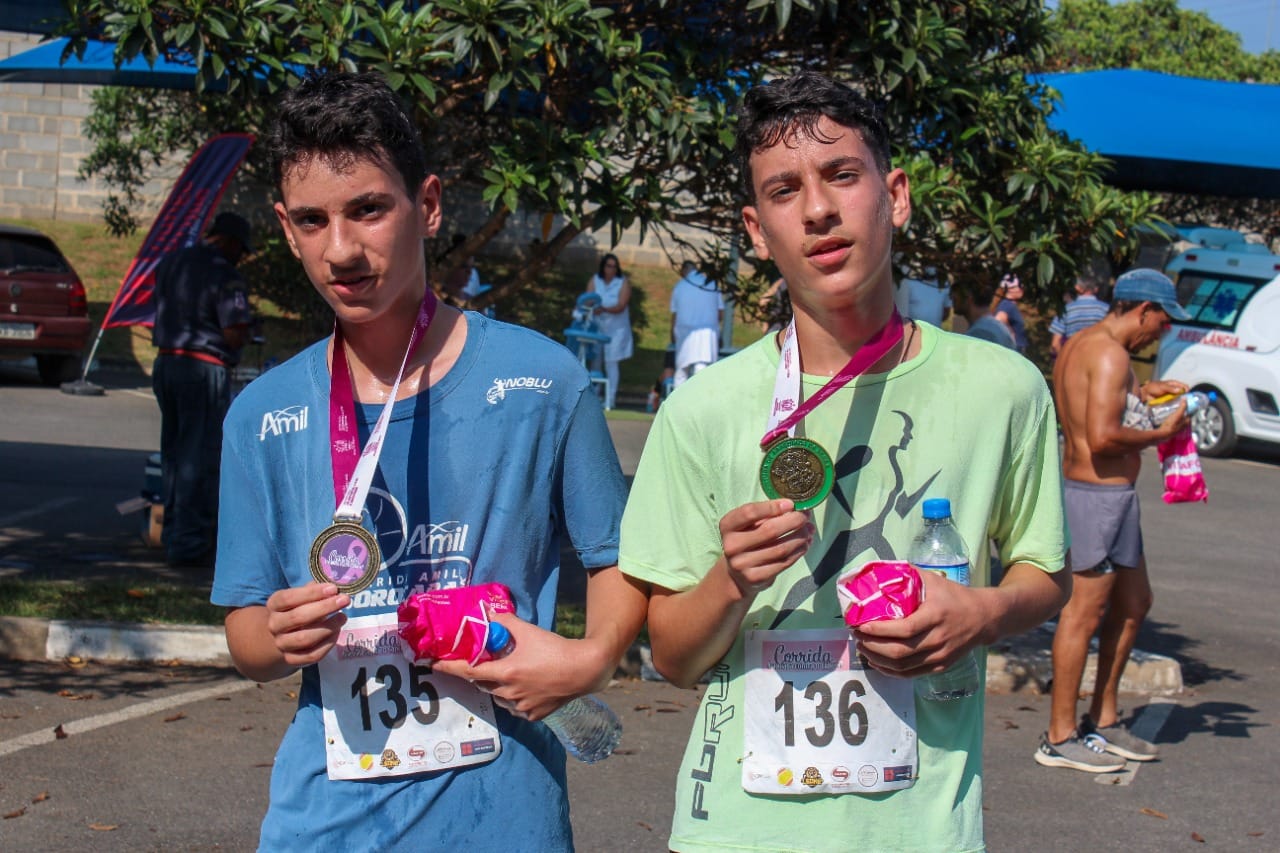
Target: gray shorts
1105	525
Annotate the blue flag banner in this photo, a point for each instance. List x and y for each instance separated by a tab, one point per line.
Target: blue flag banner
180	223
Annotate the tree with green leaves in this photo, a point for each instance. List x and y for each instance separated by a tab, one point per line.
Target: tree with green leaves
1157	35
1154	35
613	115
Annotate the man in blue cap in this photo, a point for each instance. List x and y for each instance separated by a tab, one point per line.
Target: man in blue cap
1106	423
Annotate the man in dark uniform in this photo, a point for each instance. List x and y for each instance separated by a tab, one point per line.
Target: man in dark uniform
202	321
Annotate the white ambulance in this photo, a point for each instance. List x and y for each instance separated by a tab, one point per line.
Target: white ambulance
1230	345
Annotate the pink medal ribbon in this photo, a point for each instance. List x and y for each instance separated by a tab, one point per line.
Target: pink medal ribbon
345	554
352	470
799	469
786	389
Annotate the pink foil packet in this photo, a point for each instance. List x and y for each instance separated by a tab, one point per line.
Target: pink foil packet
1180	462
452	624
879	590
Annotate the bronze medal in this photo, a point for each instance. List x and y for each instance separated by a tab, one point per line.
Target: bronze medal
798	469
346	555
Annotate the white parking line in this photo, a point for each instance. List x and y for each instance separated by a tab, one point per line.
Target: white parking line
146	395
1147	726
47	506
142	709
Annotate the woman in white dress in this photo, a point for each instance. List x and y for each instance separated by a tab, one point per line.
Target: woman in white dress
614	318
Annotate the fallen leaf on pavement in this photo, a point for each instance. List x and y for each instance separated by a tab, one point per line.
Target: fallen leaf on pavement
1010	724
1027	708
104	827
1195	836
67	694
644	825
246	728
136	593
1154	813
1256	834
58	733
667	710
291	694
40	797
624	752
642	707
178	716
19	813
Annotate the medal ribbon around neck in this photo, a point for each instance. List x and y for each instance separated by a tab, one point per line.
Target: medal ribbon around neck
798	468
352	469
344	553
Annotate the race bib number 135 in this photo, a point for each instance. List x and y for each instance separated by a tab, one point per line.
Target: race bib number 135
386	716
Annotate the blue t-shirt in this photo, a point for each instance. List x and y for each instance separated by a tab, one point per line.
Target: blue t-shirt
1079	315
1016	324
479	479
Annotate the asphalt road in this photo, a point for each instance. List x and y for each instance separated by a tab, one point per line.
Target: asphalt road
177	758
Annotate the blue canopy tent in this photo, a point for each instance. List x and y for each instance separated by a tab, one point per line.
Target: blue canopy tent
43	64
1175	134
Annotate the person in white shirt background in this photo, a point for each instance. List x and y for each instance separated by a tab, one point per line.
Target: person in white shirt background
614	319
697	309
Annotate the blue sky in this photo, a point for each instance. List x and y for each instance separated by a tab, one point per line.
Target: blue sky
1257	21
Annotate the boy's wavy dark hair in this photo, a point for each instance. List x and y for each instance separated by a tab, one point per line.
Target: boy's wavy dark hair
773	110
341	118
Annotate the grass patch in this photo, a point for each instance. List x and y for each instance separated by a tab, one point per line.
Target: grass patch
627	415
109	601
158	603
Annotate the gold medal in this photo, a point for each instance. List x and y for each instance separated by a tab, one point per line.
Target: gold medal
798	469
346	555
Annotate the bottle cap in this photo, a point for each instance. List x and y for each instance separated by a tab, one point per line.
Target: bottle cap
937	508
1213	396
499	636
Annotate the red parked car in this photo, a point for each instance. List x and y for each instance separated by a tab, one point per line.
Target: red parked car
43	308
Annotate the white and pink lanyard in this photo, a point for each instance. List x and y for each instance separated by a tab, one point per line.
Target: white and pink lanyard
786	387
353	470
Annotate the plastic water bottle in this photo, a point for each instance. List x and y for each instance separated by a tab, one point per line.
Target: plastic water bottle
587	727
940	549
1197	401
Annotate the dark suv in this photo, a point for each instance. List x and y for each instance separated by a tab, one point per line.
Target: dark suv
43	308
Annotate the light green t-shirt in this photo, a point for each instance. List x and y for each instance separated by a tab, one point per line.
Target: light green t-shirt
966	420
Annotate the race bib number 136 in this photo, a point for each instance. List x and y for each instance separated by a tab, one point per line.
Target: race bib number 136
817	721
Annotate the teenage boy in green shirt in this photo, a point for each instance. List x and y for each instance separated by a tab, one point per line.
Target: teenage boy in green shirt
798	744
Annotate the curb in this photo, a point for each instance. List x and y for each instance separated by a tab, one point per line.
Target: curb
1015	665
24	638
1023	664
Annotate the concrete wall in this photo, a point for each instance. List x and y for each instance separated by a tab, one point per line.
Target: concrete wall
42	145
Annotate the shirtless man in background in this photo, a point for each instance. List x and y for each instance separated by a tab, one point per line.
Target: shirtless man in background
1106	424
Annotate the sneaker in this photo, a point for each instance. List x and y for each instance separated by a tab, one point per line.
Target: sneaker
1118	741
1077	753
